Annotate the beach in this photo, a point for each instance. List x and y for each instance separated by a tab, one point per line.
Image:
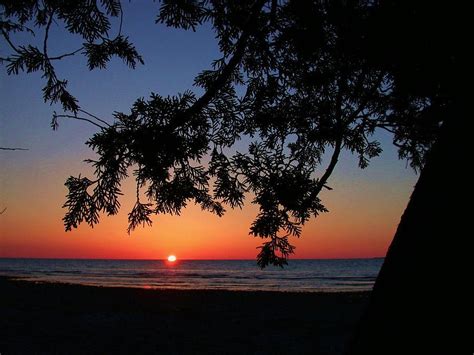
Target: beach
63	318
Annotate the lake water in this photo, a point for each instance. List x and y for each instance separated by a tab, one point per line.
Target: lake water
299	276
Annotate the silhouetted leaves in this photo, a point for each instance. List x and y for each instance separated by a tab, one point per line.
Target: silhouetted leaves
270	251
113	7
55	91
80	204
228	188
98	55
28	59
85	18
140	214
185	14
311	84
88	19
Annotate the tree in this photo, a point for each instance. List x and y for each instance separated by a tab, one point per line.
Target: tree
317	75
410	308
307	89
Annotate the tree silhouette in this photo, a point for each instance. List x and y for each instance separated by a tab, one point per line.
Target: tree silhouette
427	62
308	89
87	19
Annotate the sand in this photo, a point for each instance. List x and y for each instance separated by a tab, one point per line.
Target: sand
59	318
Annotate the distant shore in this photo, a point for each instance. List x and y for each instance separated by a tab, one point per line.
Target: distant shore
62	318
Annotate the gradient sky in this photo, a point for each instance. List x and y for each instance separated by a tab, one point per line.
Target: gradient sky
365	205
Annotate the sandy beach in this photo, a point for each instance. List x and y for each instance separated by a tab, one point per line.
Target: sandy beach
60	318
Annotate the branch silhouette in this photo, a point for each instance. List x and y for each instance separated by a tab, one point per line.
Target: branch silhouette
9	148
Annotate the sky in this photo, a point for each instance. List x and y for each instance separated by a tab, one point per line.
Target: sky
365	205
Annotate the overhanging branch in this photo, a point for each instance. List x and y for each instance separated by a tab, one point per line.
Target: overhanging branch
226	73
330	168
338	143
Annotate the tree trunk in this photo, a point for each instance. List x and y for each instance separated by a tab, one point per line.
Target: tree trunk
415	307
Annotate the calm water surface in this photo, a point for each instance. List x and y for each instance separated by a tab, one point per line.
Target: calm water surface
299	275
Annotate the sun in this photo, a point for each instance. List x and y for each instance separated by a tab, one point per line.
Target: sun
172	258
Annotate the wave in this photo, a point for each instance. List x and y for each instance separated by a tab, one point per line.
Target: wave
313	275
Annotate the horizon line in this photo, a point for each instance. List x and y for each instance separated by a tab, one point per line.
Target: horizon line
178	259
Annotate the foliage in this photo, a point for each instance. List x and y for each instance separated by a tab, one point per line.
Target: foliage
88	19
309	87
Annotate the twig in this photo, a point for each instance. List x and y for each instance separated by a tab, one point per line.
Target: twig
387	129
93	116
5	34
66	54
8	148
364	102
121	21
46	35
81	119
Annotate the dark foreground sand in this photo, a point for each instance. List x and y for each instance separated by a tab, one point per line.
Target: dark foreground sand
55	318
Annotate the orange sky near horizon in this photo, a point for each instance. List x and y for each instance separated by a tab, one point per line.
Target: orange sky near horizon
364	213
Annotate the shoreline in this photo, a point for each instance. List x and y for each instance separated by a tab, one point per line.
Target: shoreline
64	318
28	279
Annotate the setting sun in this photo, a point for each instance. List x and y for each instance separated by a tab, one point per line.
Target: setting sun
171	258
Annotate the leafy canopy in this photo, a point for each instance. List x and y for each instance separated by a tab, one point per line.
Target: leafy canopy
309	87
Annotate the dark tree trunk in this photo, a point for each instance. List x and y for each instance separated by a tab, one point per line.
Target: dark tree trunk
417	306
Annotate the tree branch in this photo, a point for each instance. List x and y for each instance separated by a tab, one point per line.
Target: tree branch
121	21
46	35
330	168
364	102
8	148
227	71
386	128
93	116
81	119
5	34
337	146
66	54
